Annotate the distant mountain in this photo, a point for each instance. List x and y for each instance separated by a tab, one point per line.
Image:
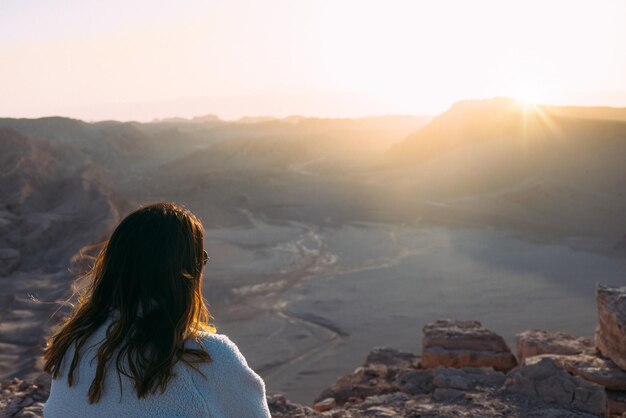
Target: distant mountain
277	143
473	121
530	168
209	119
256	119
487	161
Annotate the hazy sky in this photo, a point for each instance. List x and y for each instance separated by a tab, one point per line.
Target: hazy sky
137	59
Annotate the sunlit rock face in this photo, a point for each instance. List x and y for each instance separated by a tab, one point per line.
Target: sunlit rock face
453	343
611	331
534	342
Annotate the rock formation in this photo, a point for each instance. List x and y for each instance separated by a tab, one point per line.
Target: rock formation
451	343
611	330
593	368
461	373
534	342
548	381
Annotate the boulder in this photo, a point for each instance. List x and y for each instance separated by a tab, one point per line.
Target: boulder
534	342
548	381
453	343
611	331
593	368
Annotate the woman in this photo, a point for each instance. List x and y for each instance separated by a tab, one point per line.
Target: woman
139	343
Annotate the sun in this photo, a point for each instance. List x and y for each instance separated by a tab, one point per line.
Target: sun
527	94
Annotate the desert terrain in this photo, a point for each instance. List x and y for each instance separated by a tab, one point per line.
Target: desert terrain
328	236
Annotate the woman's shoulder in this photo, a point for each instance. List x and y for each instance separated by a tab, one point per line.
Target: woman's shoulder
227	382
226	360
219	346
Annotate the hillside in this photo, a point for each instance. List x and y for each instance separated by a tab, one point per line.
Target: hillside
520	166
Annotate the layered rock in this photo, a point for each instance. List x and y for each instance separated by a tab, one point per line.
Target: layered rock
453	343
610	335
548	381
394	384
535	342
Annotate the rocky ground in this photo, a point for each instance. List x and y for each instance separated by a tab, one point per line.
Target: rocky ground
465	370
20	398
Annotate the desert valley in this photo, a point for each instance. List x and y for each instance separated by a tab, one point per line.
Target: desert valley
328	237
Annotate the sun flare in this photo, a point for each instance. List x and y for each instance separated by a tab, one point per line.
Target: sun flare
527	95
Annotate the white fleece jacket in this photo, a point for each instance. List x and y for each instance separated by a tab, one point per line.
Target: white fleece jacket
231	388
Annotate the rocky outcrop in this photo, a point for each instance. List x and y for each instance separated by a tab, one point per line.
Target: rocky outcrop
611	331
407	390
561	376
396	384
534	342
386	370
548	381
593	368
452	343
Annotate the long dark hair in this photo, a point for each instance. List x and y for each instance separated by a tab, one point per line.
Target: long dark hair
150	274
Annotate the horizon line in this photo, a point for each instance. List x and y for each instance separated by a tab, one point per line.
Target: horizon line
270	117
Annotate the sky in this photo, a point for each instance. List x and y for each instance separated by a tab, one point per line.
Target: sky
146	59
